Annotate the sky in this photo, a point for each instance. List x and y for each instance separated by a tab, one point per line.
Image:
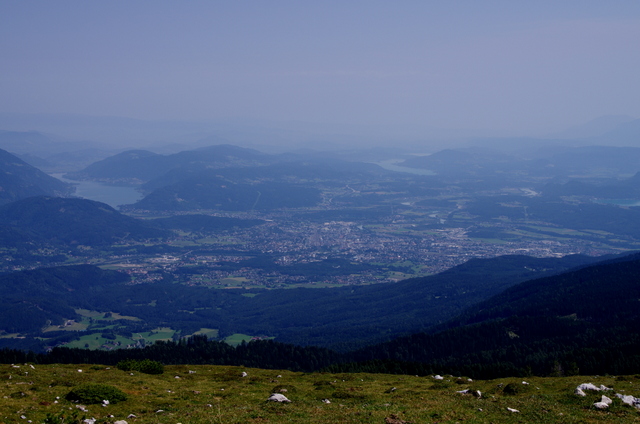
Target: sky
513	66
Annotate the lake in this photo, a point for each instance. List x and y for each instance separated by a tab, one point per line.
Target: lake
113	196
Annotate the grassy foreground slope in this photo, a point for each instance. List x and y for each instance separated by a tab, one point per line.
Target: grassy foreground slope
216	394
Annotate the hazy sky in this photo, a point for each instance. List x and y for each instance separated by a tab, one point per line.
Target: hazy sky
506	65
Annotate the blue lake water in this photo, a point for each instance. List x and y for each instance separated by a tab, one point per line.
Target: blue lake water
113	196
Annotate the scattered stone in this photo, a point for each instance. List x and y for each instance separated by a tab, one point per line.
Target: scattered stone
475	393
525	383
244	374
629	400
89	421
512	410
326	401
131	416
591	386
278	376
601	405
191	372
438	377
121	422
277	397
79	370
82	408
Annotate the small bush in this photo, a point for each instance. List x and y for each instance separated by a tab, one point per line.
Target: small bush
146	366
96	393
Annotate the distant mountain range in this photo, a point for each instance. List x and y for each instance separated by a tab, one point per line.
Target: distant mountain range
545	162
139	166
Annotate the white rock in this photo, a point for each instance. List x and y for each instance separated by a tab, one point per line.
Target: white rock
326	401
131	416
277	397
601	405
629	400
121	422
278	376
89	421
82	408
244	374
579	392
79	370
606	400
591	386
191	372
512	410
525	383
438	377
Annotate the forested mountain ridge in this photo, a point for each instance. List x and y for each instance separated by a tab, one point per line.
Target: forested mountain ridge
73	221
19	180
137	166
586	321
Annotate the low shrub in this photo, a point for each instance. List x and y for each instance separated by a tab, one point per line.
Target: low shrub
95	393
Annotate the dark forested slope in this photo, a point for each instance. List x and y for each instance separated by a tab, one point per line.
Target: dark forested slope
19	180
73	221
587	321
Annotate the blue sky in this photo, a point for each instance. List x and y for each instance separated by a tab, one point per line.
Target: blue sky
507	66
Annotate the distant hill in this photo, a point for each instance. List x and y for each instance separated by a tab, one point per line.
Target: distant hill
547	161
73	221
19	180
595	127
625	134
207	190
30	142
138	166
